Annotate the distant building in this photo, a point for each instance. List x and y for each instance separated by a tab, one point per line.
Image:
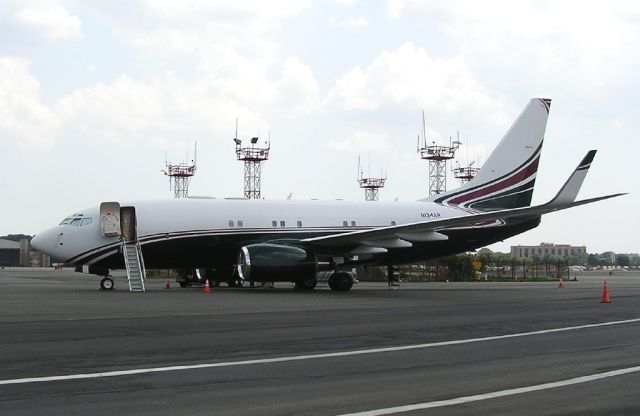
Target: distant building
30	257
610	256
9	253
548	249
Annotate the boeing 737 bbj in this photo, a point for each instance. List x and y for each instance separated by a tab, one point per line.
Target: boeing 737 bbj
287	240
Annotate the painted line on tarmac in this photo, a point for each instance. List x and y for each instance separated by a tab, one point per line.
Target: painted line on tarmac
308	356
495	394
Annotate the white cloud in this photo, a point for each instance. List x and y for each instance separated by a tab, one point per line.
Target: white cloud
23	117
350	22
168	108
238	74
409	78
585	42
298	88
55	23
361	141
230	45
165	109
346	2
166	26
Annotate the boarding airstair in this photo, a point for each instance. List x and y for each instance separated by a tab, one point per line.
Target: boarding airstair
117	221
135	265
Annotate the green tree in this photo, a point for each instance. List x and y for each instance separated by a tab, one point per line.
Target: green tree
15	237
622	260
459	268
576	260
486	257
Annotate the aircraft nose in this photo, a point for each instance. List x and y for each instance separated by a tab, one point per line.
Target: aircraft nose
45	242
36	242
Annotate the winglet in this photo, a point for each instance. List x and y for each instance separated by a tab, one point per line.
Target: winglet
571	187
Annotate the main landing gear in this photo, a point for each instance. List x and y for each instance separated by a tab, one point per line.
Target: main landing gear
341	282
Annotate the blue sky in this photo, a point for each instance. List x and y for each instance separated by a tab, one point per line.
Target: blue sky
93	92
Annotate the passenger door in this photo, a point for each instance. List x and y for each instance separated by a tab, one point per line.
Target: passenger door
128	223
110	219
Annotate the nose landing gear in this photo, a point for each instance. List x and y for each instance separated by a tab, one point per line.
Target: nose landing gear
106	283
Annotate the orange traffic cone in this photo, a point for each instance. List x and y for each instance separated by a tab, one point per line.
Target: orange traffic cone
167	284
207	288
605	294
561	285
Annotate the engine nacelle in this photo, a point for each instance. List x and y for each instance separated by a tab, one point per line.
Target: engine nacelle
267	262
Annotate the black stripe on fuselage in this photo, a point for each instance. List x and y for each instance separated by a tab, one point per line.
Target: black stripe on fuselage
221	250
249	233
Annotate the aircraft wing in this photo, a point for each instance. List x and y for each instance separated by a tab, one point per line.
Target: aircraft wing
398	236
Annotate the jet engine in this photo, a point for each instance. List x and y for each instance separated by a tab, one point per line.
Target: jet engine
266	262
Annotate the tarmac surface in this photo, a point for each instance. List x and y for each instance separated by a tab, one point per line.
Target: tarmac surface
449	349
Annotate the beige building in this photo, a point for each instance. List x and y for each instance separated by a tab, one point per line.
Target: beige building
32	258
548	249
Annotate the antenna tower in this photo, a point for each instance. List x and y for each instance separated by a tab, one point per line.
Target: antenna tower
465	173
180	174
437	156
252	156
370	185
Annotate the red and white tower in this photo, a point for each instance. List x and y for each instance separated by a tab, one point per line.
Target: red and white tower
465	173
370	185
252	156
437	156
180	175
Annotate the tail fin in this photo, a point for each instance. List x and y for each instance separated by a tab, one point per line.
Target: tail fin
507	178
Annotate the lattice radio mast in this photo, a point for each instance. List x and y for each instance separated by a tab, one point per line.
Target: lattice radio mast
370	185
180	175
465	173
437	156
252	156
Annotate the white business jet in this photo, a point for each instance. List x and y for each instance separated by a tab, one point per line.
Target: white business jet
288	240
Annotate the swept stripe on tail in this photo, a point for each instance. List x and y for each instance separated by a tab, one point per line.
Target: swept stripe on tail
508	177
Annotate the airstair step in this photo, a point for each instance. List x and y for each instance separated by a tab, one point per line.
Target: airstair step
134	265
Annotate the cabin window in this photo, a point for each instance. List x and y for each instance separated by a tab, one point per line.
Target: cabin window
240	223
299	224
282	224
345	223
230	223
274	223
393	223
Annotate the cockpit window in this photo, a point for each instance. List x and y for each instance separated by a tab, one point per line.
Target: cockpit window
76	221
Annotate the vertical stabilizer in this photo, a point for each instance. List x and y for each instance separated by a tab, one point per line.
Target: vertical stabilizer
507	178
